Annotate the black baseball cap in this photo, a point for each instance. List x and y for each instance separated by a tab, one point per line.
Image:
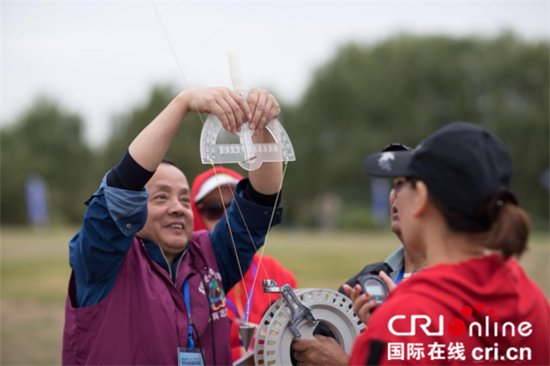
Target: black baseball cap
396	146
462	165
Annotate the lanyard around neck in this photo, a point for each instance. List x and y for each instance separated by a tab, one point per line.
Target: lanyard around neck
400	276
190	343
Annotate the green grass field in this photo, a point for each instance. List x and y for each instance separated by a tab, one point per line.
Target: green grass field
35	273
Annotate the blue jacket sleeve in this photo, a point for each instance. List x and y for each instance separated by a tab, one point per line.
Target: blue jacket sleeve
256	218
97	251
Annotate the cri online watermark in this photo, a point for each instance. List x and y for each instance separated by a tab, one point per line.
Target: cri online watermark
457	327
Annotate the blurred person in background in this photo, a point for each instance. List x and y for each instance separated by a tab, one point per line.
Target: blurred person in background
454	201
208	209
403	262
399	266
145	289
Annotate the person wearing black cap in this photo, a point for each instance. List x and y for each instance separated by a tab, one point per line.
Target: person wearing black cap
399	266
324	350
404	261
468	306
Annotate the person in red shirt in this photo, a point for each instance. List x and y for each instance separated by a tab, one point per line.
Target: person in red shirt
208	209
468	306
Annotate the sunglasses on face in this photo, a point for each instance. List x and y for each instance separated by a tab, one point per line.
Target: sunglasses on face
212	210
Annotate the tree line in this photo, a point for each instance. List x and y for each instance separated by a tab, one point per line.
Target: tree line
364	97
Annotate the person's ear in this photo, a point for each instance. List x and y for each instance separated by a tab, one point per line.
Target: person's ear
422	200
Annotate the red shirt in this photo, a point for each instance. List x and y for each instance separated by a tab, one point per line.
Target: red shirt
236	300
475	301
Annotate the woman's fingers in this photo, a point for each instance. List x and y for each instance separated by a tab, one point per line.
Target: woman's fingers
388	281
355	293
347	289
364	312
360	302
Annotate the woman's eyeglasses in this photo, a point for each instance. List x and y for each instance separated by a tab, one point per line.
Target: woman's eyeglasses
212	211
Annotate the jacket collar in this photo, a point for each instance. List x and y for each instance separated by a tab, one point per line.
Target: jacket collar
156	254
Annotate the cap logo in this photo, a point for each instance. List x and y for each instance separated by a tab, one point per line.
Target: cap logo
385	161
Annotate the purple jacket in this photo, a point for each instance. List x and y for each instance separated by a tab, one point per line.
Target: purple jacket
143	320
126	306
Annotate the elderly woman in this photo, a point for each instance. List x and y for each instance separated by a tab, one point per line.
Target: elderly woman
468	306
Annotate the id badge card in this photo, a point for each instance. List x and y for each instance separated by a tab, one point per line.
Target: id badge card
187	357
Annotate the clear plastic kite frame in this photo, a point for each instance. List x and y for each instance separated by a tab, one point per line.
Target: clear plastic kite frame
216	146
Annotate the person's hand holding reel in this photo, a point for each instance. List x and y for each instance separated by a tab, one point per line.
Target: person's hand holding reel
371	293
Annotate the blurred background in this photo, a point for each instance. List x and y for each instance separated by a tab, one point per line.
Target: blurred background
81	79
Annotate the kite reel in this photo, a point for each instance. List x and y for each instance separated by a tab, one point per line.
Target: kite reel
296	316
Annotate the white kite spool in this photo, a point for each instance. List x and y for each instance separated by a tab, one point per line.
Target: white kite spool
274	337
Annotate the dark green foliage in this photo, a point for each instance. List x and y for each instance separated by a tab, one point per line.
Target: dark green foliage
403	89
365	97
45	140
